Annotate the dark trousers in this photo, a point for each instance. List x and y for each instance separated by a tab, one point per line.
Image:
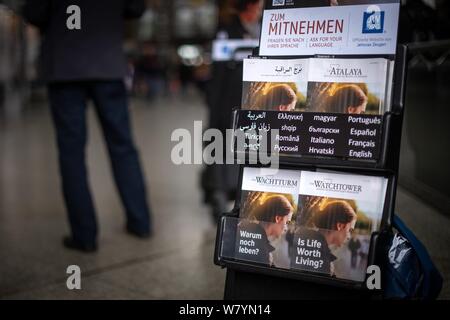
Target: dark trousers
68	103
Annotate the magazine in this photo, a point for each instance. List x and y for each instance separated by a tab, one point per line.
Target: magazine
275	85
261	237
353	86
318	222
350	86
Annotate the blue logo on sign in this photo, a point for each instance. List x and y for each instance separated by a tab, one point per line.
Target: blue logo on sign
278	2
373	22
226	50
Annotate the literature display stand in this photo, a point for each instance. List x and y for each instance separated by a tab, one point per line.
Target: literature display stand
331	81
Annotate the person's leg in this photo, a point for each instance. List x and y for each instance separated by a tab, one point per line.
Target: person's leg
68	106
111	103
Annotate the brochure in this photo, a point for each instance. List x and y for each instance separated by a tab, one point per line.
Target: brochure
318	222
350	86
275	85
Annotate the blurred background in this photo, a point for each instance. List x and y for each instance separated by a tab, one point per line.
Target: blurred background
169	76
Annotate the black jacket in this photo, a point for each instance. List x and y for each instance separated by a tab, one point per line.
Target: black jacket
95	51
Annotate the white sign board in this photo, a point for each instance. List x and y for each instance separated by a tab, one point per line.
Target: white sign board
352	29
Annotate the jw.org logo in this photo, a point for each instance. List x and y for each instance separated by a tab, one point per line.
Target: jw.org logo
373	21
278	3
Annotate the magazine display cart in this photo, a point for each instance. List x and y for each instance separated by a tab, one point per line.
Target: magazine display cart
250	279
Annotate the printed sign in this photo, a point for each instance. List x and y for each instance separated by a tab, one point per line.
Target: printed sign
351	29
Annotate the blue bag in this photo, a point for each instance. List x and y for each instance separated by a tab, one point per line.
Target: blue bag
410	272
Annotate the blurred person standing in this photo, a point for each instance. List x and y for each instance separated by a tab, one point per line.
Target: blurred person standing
243	21
354	245
82	59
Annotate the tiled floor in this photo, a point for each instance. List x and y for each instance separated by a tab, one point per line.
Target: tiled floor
177	263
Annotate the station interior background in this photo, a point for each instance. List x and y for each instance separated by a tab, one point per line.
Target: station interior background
169	57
